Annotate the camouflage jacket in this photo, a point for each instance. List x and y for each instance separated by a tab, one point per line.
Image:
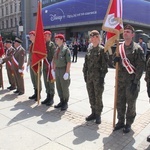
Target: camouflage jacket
95	62
135	55
147	73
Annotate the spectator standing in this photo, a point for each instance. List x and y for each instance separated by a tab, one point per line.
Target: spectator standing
75	51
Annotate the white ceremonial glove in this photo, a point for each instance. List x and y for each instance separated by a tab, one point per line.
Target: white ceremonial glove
53	73
66	76
1	60
20	71
27	68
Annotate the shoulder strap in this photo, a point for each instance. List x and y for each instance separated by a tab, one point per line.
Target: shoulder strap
125	61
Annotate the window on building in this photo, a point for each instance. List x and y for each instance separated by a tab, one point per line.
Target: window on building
6	10
20	6
7	24
15	21
2	11
11	22
11	8
15	7
2	24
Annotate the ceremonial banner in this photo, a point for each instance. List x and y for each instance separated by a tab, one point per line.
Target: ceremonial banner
113	24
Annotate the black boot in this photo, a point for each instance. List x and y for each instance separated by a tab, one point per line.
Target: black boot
98	119
148	138
34	96
50	100
119	125
64	106
59	104
92	116
127	128
46	100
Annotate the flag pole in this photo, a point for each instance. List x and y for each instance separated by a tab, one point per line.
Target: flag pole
116	84
38	83
1	74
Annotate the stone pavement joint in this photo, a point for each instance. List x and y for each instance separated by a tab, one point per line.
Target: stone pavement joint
69	130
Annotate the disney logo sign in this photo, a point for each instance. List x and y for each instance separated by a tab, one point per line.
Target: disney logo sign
56	16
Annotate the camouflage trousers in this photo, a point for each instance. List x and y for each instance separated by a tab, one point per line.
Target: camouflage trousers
126	102
95	90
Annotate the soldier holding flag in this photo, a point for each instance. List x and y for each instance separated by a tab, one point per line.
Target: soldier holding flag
131	63
33	75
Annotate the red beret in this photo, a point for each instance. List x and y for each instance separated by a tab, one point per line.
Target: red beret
32	32
47	32
60	36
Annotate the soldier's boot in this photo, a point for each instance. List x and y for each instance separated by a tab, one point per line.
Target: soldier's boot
148	138
98	119
127	128
59	104
50	100
92	116
34	95
119	125
64	105
46	100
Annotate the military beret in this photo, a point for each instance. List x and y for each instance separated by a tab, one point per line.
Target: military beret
18	40
128	26
8	41
94	33
32	32
60	36
47	32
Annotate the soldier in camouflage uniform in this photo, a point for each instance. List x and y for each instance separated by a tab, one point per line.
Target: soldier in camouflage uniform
47	64
128	82
147	79
62	63
94	70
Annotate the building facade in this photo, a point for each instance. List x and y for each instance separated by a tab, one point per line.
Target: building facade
17	18
10	18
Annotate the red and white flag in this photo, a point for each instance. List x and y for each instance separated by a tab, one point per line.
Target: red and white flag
39	47
1	47
113	24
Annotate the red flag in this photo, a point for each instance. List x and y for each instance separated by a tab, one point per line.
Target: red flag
1	47
39	47
113	24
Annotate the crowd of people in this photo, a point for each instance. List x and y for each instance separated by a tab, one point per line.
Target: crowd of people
131	64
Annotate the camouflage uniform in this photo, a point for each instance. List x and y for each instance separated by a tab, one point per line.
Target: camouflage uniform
147	76
94	70
135	55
